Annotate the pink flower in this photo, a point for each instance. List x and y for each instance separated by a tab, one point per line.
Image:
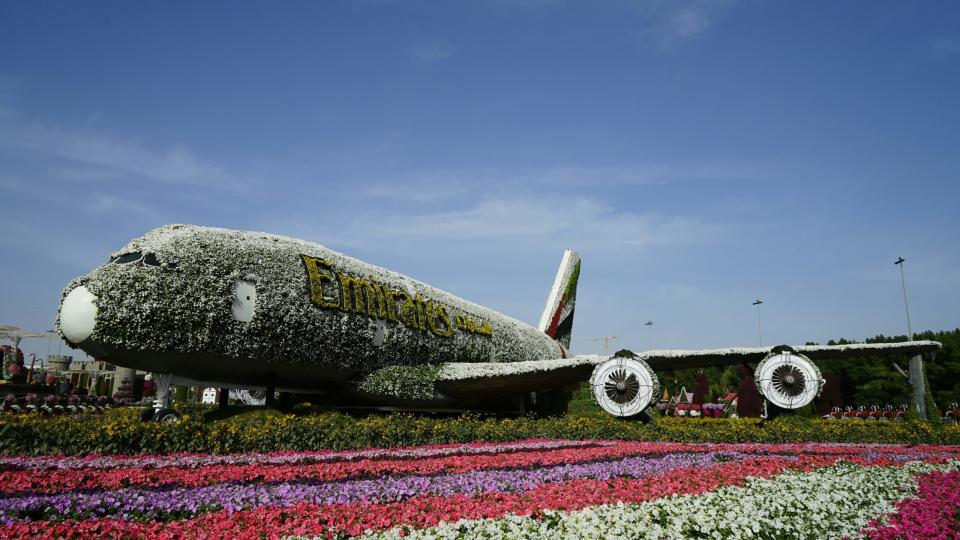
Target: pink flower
932	514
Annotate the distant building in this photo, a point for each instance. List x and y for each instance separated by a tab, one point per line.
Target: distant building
97	377
101	378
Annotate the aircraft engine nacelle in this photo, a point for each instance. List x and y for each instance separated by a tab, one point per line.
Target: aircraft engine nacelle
788	379
624	386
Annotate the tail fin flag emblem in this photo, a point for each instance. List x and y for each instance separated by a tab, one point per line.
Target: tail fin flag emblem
557	318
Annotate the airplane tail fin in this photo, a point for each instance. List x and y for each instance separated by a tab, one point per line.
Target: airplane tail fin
557	318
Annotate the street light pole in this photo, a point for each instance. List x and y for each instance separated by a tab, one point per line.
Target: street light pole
649	325
916	362
759	331
906	306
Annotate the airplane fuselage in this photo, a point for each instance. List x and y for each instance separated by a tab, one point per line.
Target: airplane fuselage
258	309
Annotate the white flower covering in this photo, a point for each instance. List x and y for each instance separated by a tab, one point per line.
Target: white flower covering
455	371
826	503
682	359
187	309
817	350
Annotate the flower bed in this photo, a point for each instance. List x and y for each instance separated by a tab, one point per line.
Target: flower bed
932	514
525	489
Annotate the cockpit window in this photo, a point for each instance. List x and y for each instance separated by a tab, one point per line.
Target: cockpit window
127	258
149	259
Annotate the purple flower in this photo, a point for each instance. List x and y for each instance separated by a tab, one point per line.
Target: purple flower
184	502
282	458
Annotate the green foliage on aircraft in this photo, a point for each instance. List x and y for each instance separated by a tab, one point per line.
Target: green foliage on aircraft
402	382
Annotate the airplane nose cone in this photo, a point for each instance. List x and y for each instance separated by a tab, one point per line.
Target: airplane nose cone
78	314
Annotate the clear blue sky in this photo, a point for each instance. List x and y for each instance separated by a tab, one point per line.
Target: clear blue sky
698	155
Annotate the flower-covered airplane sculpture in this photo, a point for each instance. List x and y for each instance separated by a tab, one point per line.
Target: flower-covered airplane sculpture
237	309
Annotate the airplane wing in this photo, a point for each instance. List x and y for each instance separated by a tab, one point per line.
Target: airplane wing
787	377
738	355
474	380
468	379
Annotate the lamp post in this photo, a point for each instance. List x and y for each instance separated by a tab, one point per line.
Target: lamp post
906	306
757	303
649	325
916	362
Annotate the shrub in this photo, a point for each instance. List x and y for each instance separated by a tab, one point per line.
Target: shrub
119	431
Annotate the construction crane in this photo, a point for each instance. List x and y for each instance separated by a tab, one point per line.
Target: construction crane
606	343
16	335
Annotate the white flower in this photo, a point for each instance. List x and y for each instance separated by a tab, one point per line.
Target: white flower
828	502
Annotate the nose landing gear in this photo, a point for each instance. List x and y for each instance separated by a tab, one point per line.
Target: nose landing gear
161	411
166	415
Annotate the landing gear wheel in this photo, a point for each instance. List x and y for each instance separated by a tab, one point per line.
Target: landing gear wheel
146	415
624	386
166	415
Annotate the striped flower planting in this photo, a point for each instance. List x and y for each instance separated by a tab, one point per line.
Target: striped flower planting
526	489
